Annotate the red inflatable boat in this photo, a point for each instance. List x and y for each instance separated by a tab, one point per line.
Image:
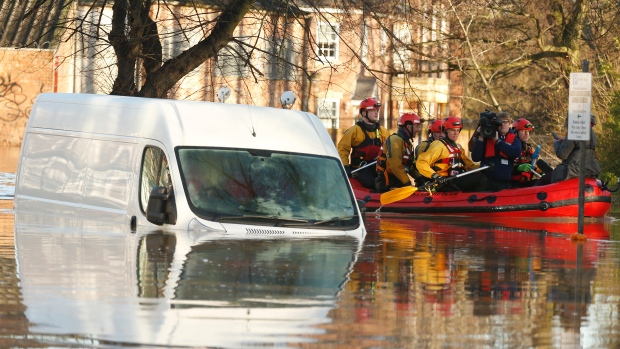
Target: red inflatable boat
554	200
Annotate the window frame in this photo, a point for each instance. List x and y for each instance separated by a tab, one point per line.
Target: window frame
163	160
332	122
229	59
334	29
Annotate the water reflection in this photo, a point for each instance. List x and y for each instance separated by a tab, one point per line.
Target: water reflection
161	289
413	283
432	284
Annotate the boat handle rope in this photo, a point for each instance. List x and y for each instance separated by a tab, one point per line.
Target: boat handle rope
605	187
489	198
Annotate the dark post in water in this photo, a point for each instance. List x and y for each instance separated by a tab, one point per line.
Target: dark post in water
582	167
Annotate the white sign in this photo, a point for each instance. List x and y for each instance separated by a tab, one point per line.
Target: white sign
579	103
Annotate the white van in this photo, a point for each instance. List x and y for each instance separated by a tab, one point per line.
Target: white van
209	168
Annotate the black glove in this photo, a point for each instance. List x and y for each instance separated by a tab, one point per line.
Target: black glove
348	170
439	179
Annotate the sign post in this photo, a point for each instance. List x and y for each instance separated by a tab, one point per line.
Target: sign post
579	107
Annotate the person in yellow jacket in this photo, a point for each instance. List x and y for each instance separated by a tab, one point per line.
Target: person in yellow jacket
396	159
362	143
445	158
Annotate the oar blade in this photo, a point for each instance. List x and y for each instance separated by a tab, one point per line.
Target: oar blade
397	195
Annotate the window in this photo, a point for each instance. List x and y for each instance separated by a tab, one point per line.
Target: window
364	43
329	112
327	40
383	45
241	186
402	53
155	173
280	60
231	60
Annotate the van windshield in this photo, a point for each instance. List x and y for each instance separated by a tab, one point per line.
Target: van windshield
261	187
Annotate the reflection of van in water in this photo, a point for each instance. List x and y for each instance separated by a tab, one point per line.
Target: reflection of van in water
207	167
158	289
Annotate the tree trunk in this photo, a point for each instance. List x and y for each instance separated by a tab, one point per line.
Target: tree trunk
160	81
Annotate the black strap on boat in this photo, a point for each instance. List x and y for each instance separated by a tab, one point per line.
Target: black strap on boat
489	198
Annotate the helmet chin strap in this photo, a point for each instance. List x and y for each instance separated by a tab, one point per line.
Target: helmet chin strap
365	116
410	133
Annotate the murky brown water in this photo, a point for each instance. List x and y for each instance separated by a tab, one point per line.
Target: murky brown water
410	284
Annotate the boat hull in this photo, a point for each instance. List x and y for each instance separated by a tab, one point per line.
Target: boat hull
559	199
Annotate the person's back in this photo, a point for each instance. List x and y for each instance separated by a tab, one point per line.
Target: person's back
568	151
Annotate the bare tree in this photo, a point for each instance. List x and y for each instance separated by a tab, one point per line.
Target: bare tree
518	50
134	35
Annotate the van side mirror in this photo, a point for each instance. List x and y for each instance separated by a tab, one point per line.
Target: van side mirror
162	208
362	206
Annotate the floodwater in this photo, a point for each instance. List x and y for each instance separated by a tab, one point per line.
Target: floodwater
411	283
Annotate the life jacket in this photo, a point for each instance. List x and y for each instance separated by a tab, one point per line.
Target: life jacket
368	150
453	163
524	158
490	146
424	145
383	167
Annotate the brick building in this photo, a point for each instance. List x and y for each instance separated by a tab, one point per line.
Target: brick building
330	58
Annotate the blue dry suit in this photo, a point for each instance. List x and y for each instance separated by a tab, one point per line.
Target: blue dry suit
502	154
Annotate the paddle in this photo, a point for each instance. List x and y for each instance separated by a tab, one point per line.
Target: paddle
405	192
397	195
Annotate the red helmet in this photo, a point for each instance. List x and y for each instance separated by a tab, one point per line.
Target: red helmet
435	125
369	104
522	124
451	122
409	117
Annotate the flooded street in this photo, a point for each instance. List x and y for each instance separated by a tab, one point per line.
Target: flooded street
411	283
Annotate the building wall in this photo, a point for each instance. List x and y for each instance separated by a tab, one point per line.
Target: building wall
24	73
86	65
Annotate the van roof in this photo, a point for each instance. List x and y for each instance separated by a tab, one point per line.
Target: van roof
184	123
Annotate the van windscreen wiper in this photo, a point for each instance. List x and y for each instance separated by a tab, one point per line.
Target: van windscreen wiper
323	222
276	219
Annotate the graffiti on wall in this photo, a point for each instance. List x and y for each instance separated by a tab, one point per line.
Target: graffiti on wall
14	103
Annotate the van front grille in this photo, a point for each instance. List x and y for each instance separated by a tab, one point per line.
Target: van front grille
264	232
254	231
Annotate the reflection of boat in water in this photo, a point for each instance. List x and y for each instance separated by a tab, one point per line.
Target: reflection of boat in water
516	237
466	284
170	290
554	200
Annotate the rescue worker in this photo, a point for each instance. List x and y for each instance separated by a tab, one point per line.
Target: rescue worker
445	158
362	143
568	152
499	151
435	133
526	169
396	157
